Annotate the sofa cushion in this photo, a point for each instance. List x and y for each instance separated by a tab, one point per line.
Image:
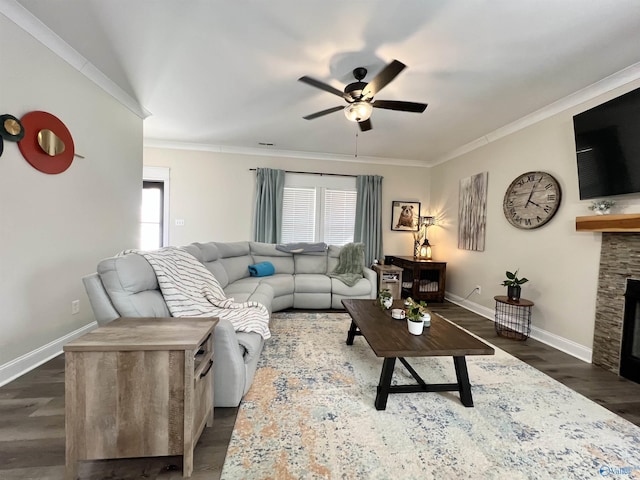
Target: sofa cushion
232	249
312	283
266	252
333	254
132	286
282	284
235	258
310	263
193	250
210	257
247	291
362	287
244	285
209	251
237	267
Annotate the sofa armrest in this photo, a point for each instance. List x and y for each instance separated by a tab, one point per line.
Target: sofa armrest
229	371
373	279
103	309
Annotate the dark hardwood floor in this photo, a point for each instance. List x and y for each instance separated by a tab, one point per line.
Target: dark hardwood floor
32	413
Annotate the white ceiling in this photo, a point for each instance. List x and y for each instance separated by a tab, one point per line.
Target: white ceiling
224	73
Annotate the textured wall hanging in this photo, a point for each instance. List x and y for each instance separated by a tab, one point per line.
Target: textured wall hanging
47	144
472	212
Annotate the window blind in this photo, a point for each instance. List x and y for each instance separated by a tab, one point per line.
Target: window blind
299	215
339	216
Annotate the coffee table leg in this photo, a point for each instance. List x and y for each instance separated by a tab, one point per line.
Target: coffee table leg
385	383
462	375
352	333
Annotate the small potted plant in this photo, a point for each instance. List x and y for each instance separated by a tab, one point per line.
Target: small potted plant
602	207
513	285
385	299
416	316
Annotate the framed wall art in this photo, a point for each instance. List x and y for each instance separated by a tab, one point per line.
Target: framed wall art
405	216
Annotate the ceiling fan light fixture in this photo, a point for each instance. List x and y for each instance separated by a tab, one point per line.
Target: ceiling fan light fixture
358	111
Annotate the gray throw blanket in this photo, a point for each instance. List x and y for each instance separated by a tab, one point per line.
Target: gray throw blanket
302	247
350	264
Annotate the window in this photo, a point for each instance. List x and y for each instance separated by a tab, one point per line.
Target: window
154	209
318	209
151	215
299	215
339	216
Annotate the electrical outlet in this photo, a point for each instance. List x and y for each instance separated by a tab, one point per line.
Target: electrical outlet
479	289
75	307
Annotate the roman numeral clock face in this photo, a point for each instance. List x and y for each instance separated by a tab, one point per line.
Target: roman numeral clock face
531	200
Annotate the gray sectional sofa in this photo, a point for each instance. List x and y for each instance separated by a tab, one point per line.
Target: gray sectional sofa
126	286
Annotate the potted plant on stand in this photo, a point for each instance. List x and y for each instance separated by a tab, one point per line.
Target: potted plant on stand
513	283
417	316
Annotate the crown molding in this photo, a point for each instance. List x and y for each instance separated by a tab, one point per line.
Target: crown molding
607	84
269	152
38	30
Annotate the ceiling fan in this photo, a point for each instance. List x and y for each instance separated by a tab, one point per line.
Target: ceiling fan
359	95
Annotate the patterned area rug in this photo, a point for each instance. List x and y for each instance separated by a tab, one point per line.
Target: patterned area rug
310	414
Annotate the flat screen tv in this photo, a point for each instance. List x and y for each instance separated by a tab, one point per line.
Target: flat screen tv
608	147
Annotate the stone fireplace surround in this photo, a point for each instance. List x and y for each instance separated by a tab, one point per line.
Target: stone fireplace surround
619	261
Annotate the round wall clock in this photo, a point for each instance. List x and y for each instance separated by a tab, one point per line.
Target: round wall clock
531	200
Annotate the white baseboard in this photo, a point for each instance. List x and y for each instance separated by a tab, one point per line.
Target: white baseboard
567	346
27	362
472	306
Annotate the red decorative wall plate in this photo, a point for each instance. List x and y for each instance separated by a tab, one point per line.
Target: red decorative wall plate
33	122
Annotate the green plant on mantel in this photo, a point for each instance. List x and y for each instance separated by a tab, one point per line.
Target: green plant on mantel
512	280
415	310
602	206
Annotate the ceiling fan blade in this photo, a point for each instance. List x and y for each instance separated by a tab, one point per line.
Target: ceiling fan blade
323	112
365	125
381	80
321	85
402	106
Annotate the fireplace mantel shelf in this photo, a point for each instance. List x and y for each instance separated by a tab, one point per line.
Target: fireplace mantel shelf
628	222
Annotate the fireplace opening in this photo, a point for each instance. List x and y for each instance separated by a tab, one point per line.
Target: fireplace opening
630	352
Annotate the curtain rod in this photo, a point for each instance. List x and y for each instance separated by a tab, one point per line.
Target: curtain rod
315	173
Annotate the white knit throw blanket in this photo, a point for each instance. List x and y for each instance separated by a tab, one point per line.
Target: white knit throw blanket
190	290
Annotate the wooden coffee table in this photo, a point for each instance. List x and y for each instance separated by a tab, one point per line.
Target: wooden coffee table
390	338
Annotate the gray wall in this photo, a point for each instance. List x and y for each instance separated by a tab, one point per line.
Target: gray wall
561	264
214	192
55	228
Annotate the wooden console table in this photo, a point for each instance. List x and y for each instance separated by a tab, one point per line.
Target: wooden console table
139	387
421	279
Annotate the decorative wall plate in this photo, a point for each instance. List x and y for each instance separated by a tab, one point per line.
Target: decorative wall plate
35	154
10	128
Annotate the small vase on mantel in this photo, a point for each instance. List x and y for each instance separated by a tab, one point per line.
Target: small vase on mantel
602	207
416	248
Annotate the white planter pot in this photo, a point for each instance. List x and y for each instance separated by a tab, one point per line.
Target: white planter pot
415	328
